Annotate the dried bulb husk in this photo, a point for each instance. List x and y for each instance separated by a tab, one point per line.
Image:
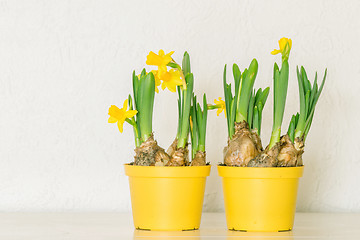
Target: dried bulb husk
199	159
299	146
150	154
178	158
161	157
267	158
170	151
242	147
257	140
290	154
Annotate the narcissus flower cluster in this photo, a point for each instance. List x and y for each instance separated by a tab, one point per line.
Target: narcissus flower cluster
170	79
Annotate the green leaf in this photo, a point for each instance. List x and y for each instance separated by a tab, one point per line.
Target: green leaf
194	133
143	73
186	64
313	94
262	96
256	119
204	113
296	118
260	107
309	120
291	130
257	95
173	65
136	83
199	114
276	69
306	82
187	97
282	91
130	103
246	91
302	117
146	103
237	76
251	110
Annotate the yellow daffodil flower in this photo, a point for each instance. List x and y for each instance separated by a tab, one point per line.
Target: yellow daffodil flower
119	115
221	106
160	60
171	79
284	50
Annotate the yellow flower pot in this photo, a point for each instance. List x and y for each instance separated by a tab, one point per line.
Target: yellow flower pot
167	198
260	199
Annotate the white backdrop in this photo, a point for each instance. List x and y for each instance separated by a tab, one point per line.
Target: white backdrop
63	63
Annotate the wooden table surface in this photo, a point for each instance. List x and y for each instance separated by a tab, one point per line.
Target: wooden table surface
119	226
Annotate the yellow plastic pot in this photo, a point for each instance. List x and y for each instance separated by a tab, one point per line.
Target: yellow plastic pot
260	199
167	198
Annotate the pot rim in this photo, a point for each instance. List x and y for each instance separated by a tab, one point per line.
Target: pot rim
167	172
260	172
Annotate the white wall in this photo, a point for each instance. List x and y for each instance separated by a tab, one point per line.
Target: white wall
63	63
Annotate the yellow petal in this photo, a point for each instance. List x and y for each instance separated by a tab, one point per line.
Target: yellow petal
120	126
130	113
157	80
153	59
112	120
115	112
171	86
161	53
170	53
218	111
282	43
125	105
275	52
160	60
220	101
163	86
161	71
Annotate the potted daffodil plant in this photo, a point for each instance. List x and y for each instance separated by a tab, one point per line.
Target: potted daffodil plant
260	185
163	182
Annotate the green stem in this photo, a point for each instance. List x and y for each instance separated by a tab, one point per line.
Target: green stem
133	122
202	121
179	112
280	91
136	134
275	137
228	105
187	94
194	131
300	127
